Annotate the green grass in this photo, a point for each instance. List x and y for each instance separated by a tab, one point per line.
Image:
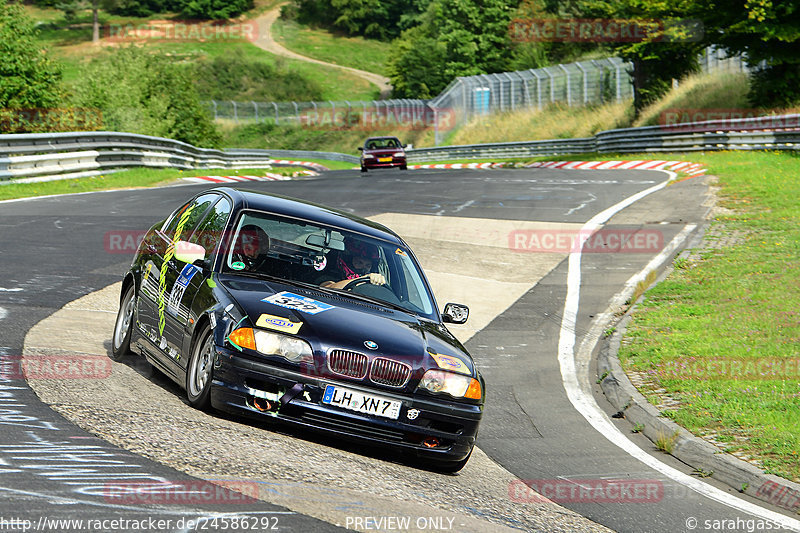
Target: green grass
355	52
739	303
134	178
723	91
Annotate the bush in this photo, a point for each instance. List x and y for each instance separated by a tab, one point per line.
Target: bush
143	93
234	77
28	77
214	9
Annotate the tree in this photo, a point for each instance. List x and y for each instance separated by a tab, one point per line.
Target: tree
214	9
767	33
139	92
668	52
455	38
28	77
377	19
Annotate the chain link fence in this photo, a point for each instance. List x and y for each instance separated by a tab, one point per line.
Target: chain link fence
581	83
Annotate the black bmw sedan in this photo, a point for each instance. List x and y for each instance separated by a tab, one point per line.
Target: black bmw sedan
265	306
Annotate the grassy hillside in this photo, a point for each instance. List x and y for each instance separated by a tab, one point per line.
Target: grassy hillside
70	43
355	52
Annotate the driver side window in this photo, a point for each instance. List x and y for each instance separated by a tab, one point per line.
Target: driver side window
196	209
209	232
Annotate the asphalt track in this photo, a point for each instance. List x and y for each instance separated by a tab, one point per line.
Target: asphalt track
51	252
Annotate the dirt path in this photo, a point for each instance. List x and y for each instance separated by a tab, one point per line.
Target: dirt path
268	43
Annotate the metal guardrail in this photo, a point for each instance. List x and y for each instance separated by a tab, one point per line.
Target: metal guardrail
780	132
91	153
503	150
299	154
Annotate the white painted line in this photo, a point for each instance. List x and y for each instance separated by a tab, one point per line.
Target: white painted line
3	313
582	399
16	289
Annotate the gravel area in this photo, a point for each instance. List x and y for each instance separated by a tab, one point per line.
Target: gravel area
139	409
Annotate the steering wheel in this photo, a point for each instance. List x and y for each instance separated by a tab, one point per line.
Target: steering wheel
355	283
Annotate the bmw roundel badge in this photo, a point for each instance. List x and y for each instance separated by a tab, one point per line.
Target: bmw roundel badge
371	345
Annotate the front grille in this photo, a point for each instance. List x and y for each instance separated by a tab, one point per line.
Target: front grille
346	363
388	372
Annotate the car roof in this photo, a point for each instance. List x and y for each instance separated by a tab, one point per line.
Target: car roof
293	207
381	138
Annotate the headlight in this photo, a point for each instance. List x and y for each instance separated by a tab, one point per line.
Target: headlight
399	154
268	343
456	385
368	156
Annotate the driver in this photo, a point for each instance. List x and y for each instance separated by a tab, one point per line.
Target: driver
359	261
250	251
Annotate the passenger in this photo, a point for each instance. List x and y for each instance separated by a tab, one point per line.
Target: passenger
359	260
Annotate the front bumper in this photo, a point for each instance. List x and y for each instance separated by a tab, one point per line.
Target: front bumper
248	387
373	162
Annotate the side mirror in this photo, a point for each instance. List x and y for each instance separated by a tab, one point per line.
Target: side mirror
455	313
360	148
405	145
188	252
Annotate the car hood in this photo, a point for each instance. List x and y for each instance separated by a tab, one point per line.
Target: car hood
349	324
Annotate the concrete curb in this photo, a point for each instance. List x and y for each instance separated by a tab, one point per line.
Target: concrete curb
704	457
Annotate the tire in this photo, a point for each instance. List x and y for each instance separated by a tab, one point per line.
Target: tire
363	169
121	340
200	371
403	167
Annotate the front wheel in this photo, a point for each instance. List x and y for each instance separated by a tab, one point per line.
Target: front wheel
363	169
121	341
200	371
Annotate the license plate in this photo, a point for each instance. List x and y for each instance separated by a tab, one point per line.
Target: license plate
360	402
384	159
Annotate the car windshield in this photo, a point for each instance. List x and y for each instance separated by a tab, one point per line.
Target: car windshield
302	252
375	144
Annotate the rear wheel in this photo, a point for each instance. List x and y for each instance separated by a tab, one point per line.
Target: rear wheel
121	341
200	371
